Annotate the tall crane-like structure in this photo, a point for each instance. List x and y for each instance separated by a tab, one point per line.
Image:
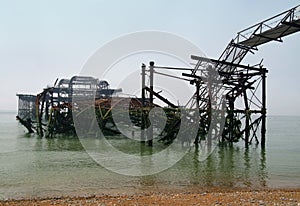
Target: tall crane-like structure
242	86
242	82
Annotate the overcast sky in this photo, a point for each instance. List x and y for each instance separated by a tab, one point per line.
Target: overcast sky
44	40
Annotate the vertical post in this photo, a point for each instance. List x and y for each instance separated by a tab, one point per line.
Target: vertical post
242	81
37	101
247	128
150	128
197	93
210	102
143	104
151	68
209	118
231	117
39	113
247	113
196	142
263	110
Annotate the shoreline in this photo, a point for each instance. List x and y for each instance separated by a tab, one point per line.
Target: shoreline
268	196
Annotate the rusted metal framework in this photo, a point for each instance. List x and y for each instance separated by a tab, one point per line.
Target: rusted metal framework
26	111
243	81
245	93
26	106
50	112
242	86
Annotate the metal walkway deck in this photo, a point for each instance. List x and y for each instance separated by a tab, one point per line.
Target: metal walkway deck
247	40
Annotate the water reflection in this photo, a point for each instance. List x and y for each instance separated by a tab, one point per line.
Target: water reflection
227	167
30	164
230	167
63	143
263	168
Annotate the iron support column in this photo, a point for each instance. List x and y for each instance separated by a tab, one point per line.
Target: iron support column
264	110
247	114
150	128
143	104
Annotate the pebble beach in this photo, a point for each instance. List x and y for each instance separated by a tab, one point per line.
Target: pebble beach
265	197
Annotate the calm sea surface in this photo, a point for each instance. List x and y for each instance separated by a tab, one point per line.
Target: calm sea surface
31	166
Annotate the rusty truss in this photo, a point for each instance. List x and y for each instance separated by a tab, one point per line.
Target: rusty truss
242	87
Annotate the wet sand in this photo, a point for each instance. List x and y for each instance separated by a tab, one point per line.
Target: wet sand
233	197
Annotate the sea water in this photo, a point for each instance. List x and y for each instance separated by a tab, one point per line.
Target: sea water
31	166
